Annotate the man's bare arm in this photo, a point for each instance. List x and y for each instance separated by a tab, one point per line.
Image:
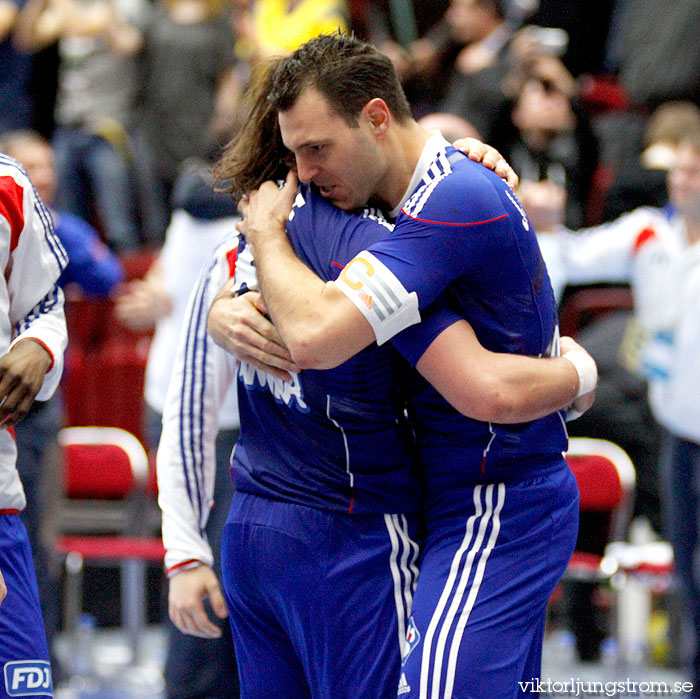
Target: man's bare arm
317	322
483	385
499	387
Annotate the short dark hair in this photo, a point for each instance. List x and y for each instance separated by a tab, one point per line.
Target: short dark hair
346	71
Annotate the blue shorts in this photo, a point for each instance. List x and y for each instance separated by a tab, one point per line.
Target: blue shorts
318	600
24	655
486	575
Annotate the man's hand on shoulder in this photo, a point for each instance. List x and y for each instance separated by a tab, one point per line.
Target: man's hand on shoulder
188	589
489	157
265	212
22	372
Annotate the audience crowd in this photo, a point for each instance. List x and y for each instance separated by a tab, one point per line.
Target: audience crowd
587	101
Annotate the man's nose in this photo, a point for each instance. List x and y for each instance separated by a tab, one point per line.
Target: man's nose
305	170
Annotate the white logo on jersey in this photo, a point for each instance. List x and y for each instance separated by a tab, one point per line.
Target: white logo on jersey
282	391
25	678
526	223
298	203
404	687
376	215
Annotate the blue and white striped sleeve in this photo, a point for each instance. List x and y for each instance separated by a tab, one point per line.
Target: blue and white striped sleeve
201	376
46	324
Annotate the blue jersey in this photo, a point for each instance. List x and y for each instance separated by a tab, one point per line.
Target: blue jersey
464	233
91	264
357	452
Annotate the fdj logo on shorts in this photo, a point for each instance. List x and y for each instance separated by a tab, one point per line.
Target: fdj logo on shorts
26	678
412	640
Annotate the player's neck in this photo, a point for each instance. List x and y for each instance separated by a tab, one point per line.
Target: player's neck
404	146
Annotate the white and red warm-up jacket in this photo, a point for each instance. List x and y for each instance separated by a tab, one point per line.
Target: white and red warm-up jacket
31	305
649	248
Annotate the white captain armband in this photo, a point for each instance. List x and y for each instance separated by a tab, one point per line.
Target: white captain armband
379	296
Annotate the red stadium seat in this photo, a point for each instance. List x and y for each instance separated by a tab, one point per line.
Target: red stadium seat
606	478
105	362
585	305
104	519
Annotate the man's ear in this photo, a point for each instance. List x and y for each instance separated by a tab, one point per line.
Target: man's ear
378	115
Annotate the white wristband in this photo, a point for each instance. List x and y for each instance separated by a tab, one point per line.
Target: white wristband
585	368
572	413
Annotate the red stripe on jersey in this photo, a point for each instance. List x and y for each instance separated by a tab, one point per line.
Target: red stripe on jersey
11	207
337	265
9	512
231	257
646	235
445	223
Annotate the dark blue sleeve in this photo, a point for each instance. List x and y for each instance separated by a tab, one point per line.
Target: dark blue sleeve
91	264
415	340
454	229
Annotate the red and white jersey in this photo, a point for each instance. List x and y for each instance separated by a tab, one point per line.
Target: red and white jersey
649	247
31	305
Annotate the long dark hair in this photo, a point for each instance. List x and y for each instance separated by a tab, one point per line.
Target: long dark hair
256	153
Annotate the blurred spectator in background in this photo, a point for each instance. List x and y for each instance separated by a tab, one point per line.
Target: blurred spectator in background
97	43
92	267
277	27
451	126
416	37
586	25
640	179
551	137
652	57
15	98
475	81
195	667
658	251
653	48
187	100
95	271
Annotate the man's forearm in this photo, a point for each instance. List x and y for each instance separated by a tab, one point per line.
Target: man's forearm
319	325
499	387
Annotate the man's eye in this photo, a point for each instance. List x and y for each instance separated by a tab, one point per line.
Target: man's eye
317	148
